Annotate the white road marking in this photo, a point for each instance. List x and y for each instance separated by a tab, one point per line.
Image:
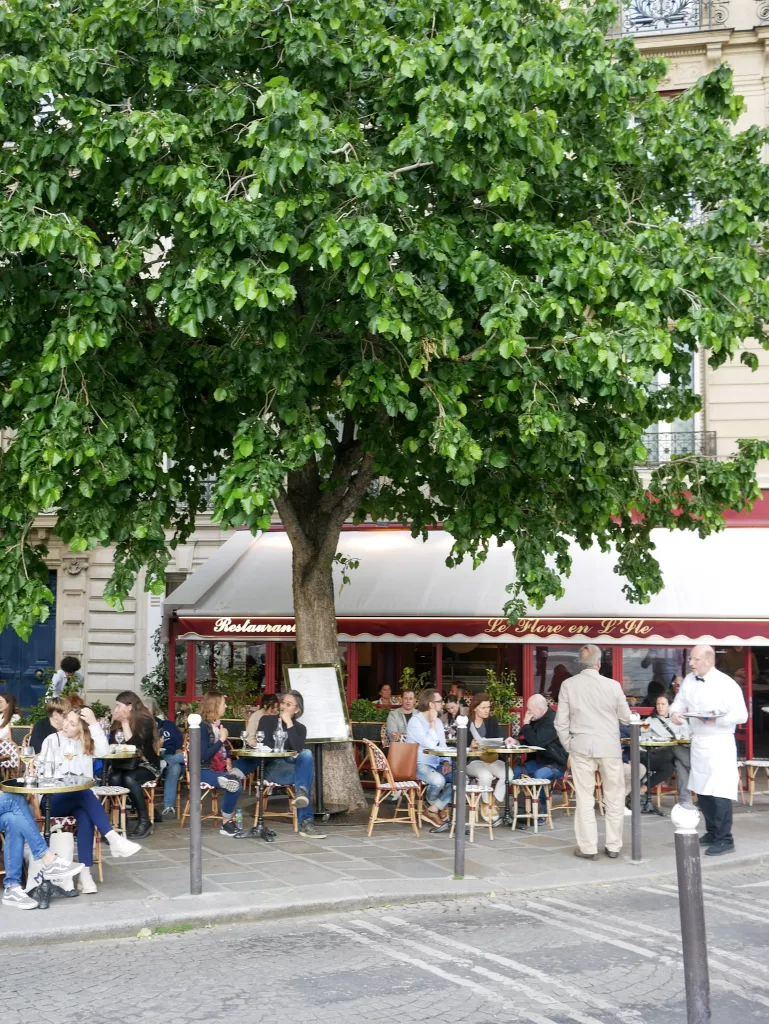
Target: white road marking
740	897
727	954
404	958
545	914
552	1003
550	980
721	904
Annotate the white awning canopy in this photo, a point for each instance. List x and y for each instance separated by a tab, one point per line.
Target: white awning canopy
715	589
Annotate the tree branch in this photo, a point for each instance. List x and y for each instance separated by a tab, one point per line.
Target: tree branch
410	167
290	520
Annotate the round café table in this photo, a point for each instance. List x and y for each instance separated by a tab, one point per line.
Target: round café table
260	830
113	755
46	890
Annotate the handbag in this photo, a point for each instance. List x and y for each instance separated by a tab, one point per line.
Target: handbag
402	758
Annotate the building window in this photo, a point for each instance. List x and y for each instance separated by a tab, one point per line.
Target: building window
556	663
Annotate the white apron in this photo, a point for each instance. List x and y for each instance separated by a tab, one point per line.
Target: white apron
714	765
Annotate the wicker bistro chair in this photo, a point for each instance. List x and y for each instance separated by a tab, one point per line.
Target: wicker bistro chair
113	800
531	790
269	789
9	759
753	767
385	785
205	790
474	792
570	793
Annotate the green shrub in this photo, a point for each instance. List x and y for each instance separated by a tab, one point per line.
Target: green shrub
362	710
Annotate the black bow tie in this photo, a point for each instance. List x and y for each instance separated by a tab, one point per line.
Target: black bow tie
700	679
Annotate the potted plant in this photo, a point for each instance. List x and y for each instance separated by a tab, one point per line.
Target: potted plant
504	698
366	719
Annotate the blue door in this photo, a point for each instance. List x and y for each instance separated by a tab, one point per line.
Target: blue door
23	665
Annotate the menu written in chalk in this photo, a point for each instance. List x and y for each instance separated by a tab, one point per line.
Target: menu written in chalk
325	714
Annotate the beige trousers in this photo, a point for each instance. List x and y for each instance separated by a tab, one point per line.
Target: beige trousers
583	769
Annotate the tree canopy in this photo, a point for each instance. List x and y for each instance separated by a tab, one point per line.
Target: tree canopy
297	247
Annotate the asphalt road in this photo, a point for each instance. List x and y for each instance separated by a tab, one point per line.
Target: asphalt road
593	954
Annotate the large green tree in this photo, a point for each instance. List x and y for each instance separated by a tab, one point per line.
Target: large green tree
301	246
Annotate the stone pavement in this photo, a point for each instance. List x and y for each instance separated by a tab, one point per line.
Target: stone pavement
248	879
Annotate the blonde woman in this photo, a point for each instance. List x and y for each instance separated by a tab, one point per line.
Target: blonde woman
214	759
83	737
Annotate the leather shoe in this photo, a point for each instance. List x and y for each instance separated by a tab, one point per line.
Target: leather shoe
717	849
613	854
585	856
444	827
433	817
707	839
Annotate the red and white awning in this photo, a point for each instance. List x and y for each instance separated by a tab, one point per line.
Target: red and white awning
715	591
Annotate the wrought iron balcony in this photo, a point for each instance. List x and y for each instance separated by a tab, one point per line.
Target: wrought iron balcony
648	17
662	447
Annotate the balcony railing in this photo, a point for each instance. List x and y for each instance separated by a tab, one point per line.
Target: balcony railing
649	17
662	447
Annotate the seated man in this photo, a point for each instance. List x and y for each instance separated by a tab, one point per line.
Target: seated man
18	826
426	729
399	718
56	709
296	771
539	731
172	752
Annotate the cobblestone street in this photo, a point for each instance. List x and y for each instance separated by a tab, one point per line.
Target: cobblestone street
595	954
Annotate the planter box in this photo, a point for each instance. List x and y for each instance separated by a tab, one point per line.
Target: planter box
367	731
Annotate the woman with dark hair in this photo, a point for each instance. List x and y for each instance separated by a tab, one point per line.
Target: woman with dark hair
268	705
487	769
132	717
8	715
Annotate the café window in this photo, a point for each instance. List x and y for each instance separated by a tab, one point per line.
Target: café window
557	662
646	669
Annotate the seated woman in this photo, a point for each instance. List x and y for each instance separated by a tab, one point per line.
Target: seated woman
133	719
426	729
214	758
55	709
482	726
662	727
18	826
385	696
268	706
82	736
659	761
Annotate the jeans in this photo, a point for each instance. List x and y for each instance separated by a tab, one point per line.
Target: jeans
17	823
439	786
174	768
229	800
296	771
88	812
537	770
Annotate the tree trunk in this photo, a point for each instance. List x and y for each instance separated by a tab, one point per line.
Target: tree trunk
313	511
316	644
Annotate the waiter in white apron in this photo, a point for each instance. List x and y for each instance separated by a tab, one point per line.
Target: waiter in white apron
718	703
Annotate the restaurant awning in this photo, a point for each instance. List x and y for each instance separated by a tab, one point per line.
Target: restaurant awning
715	590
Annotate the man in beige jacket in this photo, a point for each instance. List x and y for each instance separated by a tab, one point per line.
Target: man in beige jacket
591	709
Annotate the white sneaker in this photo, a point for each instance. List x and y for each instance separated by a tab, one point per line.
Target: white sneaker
120	846
85	882
59	868
14	896
628	813
231	785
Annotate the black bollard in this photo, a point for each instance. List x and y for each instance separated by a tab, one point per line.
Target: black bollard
460	779
196	851
635	791
691	904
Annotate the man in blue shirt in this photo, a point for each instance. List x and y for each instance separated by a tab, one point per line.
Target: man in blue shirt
426	729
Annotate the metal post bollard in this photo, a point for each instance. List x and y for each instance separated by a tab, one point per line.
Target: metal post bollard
196	851
635	788
691	905
460	779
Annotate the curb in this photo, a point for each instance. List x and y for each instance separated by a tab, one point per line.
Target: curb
130	921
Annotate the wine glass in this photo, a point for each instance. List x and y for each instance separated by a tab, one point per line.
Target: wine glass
27	755
68	756
119	737
244	737
259	739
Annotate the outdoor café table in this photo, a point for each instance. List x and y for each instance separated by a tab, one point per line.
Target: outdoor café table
648	746
43	892
260	830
